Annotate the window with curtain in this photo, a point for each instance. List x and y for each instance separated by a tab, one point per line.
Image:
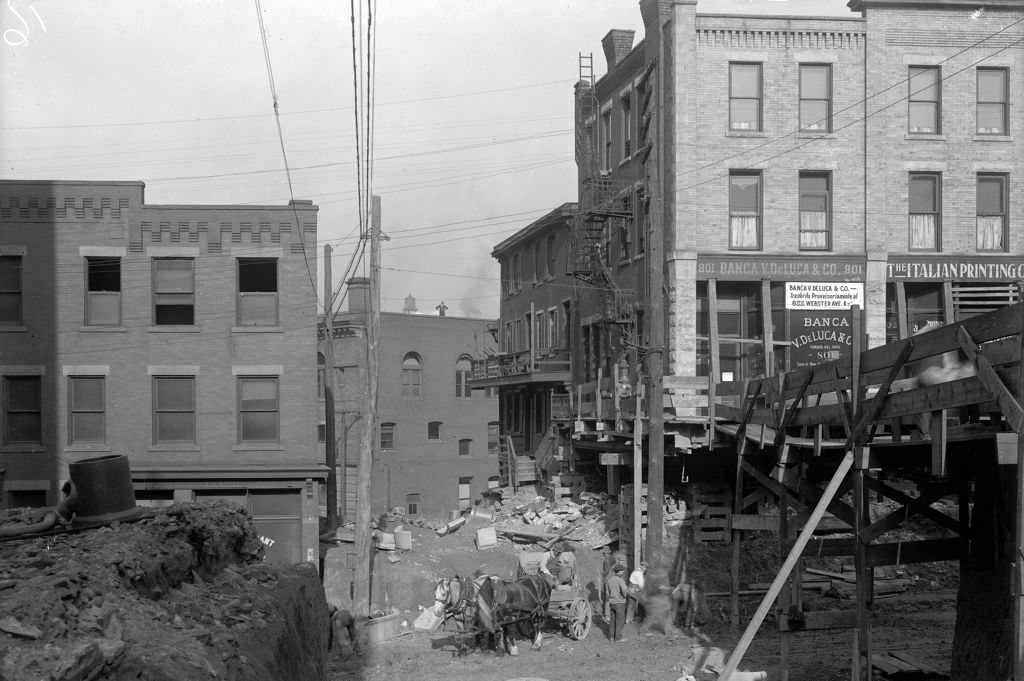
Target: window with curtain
259	409
412	375
815	211
745	97
993	96
103	291
174	409
174	288
744	210
86	410
924	100
992	213
816	97
924	202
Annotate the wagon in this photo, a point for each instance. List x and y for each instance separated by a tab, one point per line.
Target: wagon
568	605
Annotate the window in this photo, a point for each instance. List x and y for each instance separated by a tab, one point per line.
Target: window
551	256
924	205
816	97
23	410
411	375
464	447
434	430
606	138
992	212
102	291
174	409
463	371
815	211
258	409
492	438
625	238
538	261
412	504
745	97
464	492
744	210
924	99
541	330
553	328
86	407
627	124
10	290
257	292
993	95
387	436
174	291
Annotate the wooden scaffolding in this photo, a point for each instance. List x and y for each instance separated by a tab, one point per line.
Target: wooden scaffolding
848	423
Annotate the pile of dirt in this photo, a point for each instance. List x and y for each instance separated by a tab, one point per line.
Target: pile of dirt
180	593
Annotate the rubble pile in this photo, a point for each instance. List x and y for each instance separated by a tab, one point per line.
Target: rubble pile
181	593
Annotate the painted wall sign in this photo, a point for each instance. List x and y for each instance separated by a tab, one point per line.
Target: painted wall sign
932	269
820	321
801	295
736	268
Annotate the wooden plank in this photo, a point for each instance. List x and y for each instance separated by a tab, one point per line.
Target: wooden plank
1008	404
672	382
920	505
817	620
922	551
884	663
913	660
787	567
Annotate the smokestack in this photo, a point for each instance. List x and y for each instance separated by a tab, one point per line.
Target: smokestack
358	294
617	44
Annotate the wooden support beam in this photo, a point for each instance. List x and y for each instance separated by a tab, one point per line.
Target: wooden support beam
805	535
923	551
807	490
816	620
1008	404
911	506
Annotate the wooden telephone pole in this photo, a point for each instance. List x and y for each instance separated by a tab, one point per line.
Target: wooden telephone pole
330	391
363	548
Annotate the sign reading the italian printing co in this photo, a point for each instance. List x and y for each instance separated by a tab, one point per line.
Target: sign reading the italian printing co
820	322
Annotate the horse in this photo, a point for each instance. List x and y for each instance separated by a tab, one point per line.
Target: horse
501	604
455	599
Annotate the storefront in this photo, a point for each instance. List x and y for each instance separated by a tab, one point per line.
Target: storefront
757	316
938	290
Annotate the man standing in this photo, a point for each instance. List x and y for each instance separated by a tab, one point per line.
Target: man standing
616	592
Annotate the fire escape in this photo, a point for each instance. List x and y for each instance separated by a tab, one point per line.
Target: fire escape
605	203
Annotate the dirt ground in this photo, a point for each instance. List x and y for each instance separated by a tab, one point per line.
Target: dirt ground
919	620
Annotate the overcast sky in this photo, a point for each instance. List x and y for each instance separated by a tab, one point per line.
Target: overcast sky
473	117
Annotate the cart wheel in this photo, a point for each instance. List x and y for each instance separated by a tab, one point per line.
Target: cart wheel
579	619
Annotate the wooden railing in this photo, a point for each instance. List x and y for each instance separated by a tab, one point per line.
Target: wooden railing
522	363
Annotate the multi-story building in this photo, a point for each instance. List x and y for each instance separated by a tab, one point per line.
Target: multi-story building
436	444
181	336
795	166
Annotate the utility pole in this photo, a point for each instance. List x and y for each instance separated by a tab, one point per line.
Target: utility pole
361	598
658	340
330	390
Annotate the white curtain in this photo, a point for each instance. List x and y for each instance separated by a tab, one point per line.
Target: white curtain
813	229
744	231
922	232
990	233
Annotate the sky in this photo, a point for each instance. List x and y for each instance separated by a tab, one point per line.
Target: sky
472	117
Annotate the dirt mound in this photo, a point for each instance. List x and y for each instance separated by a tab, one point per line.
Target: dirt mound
178	594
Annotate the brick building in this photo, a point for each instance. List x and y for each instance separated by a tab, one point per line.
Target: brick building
181	336
437	438
794	166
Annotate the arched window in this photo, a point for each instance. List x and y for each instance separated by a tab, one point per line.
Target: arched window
412	375
434	430
463	370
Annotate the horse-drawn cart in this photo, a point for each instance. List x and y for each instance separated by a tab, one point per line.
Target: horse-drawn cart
568	604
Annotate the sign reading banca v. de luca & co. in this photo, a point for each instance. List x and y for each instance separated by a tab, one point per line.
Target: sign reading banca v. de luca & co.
820	322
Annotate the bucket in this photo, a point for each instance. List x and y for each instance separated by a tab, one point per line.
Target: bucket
481	513
403	539
104	487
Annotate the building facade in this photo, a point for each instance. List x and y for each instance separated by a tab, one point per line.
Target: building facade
436	442
181	336
794	167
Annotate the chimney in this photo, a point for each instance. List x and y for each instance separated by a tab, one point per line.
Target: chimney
358	294
617	45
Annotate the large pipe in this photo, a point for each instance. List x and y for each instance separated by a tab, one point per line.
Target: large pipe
64	511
